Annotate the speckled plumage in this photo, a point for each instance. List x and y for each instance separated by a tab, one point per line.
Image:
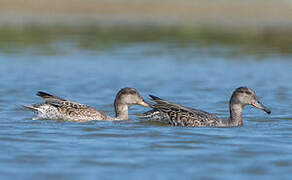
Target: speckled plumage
177	115
57	108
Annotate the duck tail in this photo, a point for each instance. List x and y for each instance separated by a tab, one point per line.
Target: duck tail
31	107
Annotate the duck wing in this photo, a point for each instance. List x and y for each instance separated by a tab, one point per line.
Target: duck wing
178	115
59	102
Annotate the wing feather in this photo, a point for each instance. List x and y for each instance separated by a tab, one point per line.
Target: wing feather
181	115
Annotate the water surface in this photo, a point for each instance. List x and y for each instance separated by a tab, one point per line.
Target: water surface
190	73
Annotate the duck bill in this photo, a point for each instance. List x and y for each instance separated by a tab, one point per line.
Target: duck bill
145	104
262	107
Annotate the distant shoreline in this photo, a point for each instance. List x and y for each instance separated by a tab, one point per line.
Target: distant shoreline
224	14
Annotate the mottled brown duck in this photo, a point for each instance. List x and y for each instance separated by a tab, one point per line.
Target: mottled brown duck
177	115
56	108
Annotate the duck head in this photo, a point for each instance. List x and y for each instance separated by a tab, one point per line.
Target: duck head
246	96
129	96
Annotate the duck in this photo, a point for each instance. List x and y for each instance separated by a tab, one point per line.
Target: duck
56	108
178	115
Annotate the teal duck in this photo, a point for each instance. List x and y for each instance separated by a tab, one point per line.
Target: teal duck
177	115
57	108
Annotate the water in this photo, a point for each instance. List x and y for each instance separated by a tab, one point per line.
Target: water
185	73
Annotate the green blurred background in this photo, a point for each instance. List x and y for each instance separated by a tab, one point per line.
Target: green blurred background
264	25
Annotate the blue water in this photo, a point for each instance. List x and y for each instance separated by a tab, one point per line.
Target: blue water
202	78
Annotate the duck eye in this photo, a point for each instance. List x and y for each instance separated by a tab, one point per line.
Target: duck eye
247	92
132	92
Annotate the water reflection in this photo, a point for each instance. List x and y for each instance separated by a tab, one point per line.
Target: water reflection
47	40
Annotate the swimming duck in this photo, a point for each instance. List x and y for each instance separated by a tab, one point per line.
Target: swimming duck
177	115
57	108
